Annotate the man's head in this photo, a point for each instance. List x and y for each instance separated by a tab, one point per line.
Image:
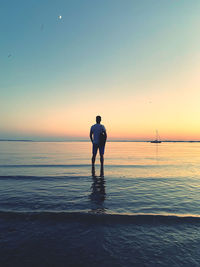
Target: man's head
98	119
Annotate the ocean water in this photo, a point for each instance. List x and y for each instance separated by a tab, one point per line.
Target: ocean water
145	211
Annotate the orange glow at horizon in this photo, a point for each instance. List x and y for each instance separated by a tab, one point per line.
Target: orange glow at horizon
174	112
139	74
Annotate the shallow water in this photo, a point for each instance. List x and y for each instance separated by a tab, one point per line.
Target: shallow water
138	178
145	208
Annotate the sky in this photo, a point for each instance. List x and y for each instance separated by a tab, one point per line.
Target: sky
134	62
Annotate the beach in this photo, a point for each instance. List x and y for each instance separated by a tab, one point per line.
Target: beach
143	212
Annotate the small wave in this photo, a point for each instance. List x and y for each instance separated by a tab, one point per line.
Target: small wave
30	177
80	166
102	217
46	166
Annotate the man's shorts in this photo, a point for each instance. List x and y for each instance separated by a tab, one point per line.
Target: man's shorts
96	147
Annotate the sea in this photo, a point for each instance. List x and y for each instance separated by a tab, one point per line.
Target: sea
144	210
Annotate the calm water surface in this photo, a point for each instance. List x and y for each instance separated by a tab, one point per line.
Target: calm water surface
144	212
139	177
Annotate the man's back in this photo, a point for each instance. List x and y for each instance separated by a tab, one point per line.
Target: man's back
96	130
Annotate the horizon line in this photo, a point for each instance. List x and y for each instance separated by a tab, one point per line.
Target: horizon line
83	140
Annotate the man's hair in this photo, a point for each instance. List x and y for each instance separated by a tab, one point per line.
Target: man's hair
98	119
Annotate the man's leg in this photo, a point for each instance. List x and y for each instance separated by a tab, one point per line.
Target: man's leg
102	167
101	151
93	171
101	160
93	158
94	153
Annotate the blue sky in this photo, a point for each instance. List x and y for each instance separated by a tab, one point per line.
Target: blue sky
98	54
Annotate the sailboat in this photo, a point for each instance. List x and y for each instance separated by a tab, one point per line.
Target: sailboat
157	140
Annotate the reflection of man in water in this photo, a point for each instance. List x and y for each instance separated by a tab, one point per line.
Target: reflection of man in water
98	195
98	137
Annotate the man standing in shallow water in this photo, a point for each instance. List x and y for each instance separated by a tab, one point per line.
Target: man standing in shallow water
98	138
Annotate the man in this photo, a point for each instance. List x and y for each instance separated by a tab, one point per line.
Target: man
98	138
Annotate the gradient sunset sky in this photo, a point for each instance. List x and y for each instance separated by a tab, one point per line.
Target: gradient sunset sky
134	62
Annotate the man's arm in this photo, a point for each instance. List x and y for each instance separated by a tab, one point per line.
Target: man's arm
91	137
105	135
104	132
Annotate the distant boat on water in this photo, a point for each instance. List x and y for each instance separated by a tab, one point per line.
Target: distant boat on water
157	140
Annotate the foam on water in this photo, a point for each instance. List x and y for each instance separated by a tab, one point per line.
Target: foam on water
103	218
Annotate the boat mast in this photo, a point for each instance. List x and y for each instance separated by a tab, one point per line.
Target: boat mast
156	135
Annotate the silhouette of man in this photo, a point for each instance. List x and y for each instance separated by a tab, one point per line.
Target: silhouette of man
98	138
